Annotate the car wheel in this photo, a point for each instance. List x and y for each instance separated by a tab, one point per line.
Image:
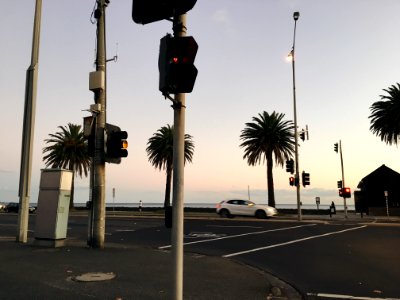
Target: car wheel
260	214
225	213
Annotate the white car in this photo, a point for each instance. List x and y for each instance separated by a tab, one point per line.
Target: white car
230	208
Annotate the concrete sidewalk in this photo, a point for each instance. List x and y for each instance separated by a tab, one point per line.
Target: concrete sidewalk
71	272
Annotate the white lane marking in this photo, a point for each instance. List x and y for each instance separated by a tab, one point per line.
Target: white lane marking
292	242
335	296
227	226
239	235
125	230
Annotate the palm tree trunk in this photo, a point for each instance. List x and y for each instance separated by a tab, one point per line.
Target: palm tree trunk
270	181
167	201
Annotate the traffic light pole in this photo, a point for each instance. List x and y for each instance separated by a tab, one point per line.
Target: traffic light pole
178	176
343	183
98	162
28	130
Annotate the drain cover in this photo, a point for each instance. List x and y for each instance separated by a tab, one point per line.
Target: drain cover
89	277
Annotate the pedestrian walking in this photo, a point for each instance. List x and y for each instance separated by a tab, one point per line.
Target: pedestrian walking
140	205
332	209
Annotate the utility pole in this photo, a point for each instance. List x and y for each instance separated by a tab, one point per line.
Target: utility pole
179	28
296	16
98	162
28	130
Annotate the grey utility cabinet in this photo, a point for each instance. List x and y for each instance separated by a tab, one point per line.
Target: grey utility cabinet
53	205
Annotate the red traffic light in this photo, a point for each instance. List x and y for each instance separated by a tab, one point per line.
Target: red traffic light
345	192
291	181
175	63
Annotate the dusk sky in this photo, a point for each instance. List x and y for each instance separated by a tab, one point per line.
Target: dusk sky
347	52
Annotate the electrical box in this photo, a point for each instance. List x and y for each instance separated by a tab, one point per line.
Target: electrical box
53	207
96	80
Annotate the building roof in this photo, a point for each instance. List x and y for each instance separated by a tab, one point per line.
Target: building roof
380	176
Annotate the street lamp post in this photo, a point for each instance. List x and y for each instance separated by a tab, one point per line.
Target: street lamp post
296	16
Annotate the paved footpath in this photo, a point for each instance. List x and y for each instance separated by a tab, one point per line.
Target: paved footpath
75	271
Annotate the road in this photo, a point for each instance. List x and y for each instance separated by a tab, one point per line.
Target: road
324	258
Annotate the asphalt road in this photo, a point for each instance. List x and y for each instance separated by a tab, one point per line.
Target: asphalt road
341	258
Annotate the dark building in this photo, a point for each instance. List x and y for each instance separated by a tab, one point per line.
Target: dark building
380	186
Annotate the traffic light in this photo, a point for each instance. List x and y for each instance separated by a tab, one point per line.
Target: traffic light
148	11
290	166
336	147
116	144
305	178
175	63
339	184
291	181
345	192
303	135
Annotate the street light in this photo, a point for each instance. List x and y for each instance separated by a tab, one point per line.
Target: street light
291	55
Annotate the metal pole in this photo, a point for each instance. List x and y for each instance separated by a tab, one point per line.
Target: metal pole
98	189
386	193
343	184
296	148
178	177
113	194
28	130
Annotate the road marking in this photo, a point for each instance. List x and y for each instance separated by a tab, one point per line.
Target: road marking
335	296
227	226
292	242
239	235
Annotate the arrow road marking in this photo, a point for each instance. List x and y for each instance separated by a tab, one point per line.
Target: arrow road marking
292	242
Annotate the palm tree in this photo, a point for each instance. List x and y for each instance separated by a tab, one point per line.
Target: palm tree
160	154
266	137
68	150
385	116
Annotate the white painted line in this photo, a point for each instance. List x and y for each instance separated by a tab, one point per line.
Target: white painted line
323	295
292	242
227	226
239	235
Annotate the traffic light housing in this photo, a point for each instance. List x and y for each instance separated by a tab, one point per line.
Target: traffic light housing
176	64
305	178
303	135
339	184
290	166
336	147
345	192
116	144
148	11
292	181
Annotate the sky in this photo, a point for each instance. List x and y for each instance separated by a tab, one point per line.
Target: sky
347	52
